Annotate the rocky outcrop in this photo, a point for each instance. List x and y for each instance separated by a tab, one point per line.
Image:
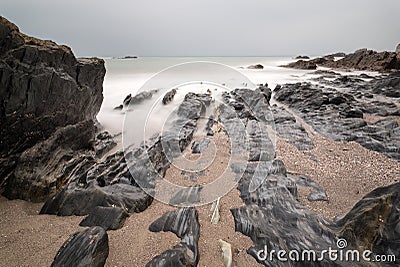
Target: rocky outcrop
184	223
49	100
398	49
86	248
362	59
302	57
339	116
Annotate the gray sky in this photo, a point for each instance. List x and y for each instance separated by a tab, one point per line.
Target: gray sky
210	27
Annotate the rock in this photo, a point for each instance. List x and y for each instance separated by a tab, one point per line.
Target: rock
199	146
47	114
307	64
338	54
45	86
339	115
364	59
109	218
138	98
287	127
373	222
86	248
188	196
184	223
169	96
302	57
398	49
256	67
209	125
120	107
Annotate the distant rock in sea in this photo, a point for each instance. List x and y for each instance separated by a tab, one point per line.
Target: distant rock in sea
128	57
302	57
398	49
256	67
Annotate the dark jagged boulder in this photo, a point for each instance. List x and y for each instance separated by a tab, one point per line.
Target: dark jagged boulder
302	57
109	218
49	101
86	248
373	223
187	196
199	146
44	87
184	223
256	67
169	96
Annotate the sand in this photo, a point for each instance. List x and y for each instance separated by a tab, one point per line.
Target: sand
347	171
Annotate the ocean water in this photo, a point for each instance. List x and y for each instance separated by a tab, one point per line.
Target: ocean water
128	76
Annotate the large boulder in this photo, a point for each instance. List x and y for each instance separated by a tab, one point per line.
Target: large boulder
398	49
44	88
86	248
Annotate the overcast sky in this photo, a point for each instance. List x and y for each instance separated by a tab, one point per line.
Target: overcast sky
210	27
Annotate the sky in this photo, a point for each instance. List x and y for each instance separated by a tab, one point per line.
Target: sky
210	27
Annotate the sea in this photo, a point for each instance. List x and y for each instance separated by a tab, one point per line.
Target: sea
133	75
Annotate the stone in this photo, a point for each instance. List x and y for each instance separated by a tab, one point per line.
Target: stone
256	67
109	218
302	57
47	114
398	49
86	248
169	96
185	224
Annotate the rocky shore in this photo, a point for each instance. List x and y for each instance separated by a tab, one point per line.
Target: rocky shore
53	151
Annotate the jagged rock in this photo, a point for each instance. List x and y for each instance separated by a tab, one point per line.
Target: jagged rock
364	59
317	193
104	143
138	98
35	175
119	179
256	67
373	223
209	126
168	97
44	87
47	113
184	223
86	248
109	218
398	49
302	57
187	196
199	146
339	54
307	64
287	127
337	115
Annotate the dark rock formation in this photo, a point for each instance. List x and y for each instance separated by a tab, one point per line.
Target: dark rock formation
287	127
138	98
398	49
188	196
109	218
339	54
184	223
169	96
364	59
373	223
118	180
199	146
256	67
338	115
86	248
302	57
49	100
307	64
